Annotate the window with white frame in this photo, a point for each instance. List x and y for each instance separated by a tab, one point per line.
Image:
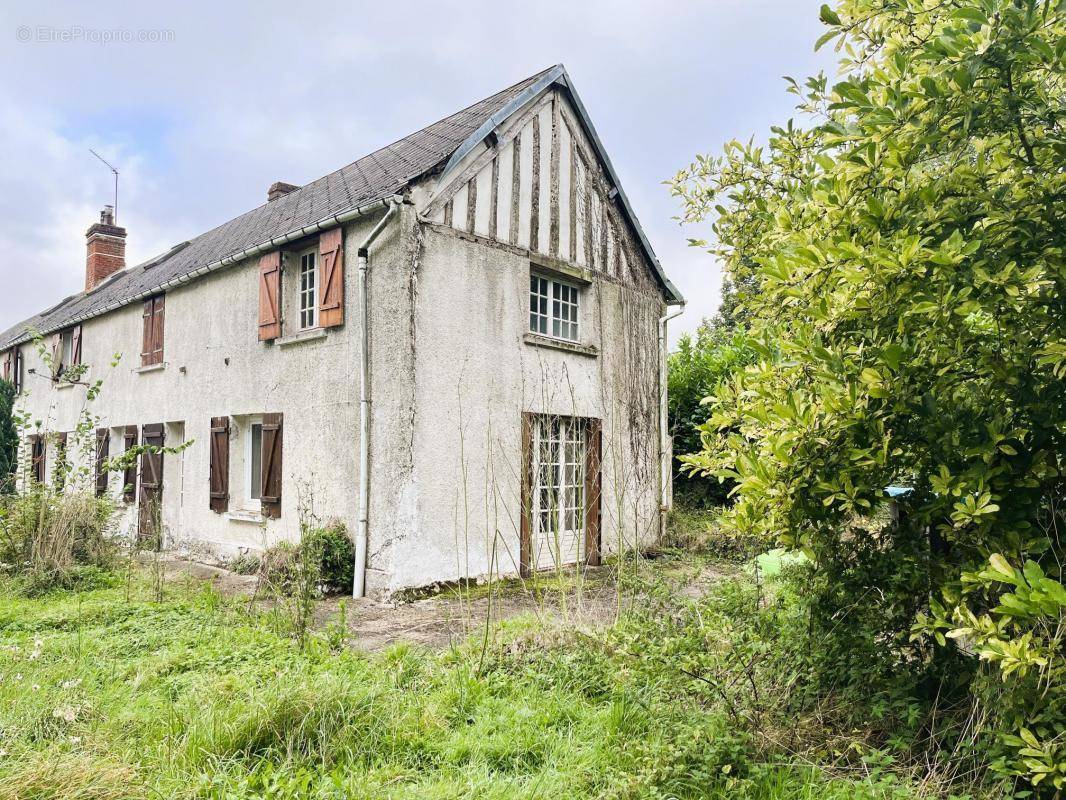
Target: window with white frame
553	307
308	298
253	460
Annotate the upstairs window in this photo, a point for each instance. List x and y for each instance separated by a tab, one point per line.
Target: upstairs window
152	336
553	307
308	296
12	368
66	351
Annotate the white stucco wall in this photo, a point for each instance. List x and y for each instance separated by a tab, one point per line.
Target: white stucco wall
214	366
473	377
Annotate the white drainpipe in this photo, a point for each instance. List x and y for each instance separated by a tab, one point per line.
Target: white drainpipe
664	434
362	524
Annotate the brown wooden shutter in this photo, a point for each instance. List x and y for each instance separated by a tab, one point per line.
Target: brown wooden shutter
150	491
75	349
152	331
37	458
270	494
129	474
524	544
331	278
62	466
8	358
219	475
593	490
17	379
152	463
270	296
103	446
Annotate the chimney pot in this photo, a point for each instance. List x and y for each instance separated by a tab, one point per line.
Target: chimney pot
280	189
105	249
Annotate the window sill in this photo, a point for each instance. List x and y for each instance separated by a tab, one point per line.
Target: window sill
162	365
62	384
312	335
254	517
538	340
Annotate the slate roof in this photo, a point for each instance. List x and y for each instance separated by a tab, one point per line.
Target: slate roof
374	177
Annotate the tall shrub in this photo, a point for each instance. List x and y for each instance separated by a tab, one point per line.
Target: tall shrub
908	239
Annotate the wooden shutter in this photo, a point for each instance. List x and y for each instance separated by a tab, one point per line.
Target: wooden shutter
331	278
219	475
17	379
270	494
103	446
62	467
57	354
158	304
152	331
524	544
129	474
270	296
152	463
146	333
75	349
37	458
8	357
593	490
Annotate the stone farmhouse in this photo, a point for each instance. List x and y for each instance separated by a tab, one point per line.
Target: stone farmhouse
454	345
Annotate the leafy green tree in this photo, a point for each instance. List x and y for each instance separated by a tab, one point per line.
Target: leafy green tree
8	437
696	368
907	239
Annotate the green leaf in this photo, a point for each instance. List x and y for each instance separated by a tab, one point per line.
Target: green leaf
828	15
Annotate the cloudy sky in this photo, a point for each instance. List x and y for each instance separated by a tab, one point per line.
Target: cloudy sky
222	99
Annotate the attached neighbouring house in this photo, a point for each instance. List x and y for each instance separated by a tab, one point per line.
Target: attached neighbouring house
452	345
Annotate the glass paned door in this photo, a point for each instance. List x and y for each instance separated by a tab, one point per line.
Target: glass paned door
558	513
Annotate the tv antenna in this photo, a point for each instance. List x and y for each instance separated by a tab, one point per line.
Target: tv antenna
116	180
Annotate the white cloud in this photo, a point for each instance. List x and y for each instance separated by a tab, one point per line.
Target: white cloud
250	93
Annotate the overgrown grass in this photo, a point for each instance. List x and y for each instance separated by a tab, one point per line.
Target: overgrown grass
105	697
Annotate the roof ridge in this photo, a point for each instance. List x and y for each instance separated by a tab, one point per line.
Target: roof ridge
387	169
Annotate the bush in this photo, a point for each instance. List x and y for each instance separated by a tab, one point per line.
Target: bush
333	550
696	530
322	563
55	540
695	369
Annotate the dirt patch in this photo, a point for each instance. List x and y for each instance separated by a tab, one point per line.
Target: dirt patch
450	616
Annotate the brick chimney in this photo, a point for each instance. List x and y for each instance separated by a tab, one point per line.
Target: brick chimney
280	189
105	245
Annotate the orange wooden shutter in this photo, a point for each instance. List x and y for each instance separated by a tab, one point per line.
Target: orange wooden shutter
75	349
103	445
57	354
331	278
219	476
157	329
270	296
270	494
593	491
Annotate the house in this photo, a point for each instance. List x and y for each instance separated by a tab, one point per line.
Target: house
454	346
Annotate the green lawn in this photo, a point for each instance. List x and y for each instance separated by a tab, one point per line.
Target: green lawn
106	694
